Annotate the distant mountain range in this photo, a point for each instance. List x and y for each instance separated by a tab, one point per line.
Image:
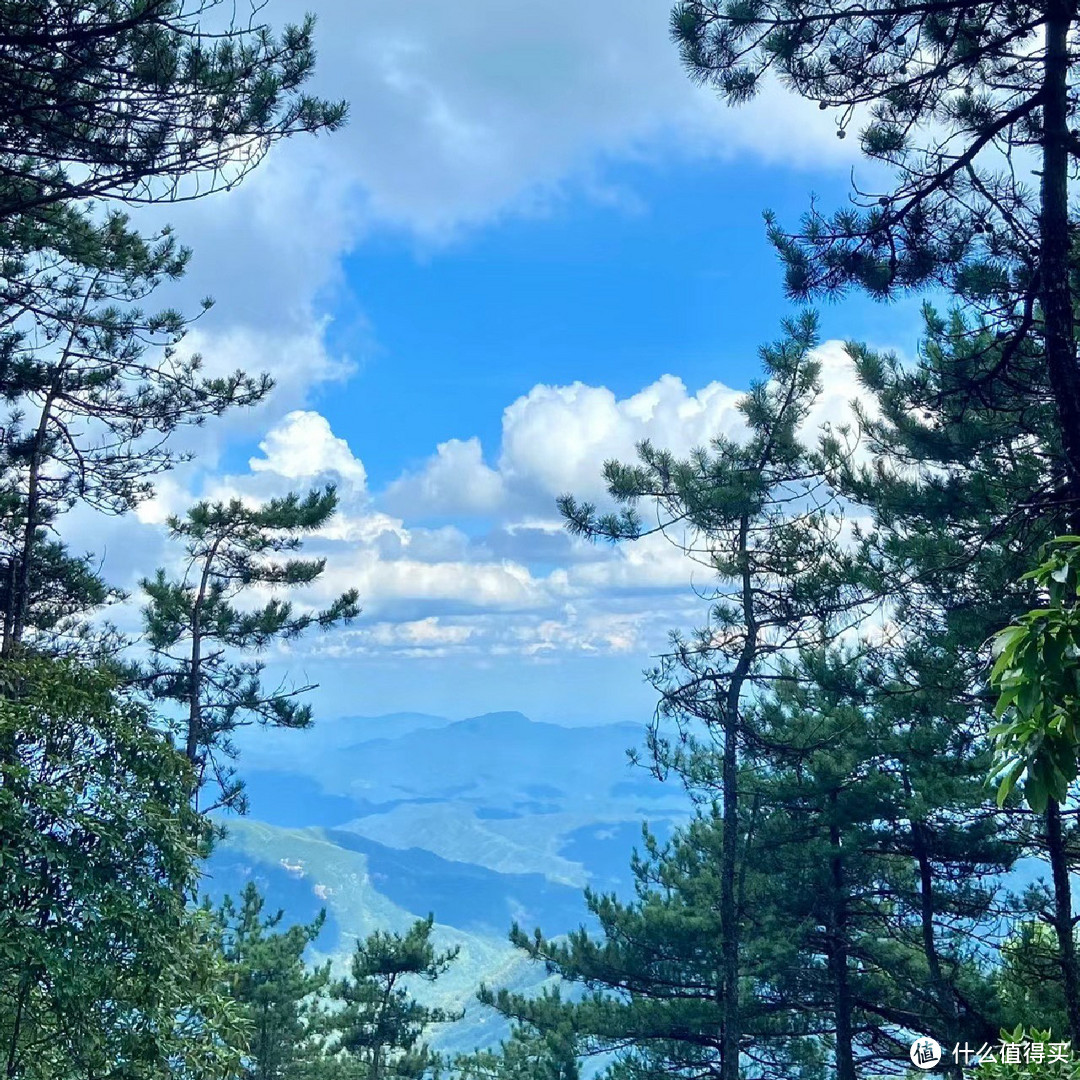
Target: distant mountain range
483	822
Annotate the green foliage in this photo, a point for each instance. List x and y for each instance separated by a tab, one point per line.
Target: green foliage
941	87
526	1055
379	1026
267	976
648	981
1037	675
950	94
879	867
144	100
1029	978
675	973
1043	1067
859	864
59	592
965	483
95	385
201	635
104	971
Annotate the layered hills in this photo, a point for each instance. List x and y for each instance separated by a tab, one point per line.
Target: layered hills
483	822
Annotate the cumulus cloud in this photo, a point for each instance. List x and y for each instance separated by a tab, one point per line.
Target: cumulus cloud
519	586
556	438
389	584
298	447
460	115
526	566
298	361
302	446
455	480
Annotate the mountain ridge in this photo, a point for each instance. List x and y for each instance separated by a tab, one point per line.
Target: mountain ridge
483	821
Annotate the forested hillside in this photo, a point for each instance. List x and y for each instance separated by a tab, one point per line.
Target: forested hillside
842	845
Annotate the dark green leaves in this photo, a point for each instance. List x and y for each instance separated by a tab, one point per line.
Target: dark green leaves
267	976
380	1026
102	965
1037	676
135	100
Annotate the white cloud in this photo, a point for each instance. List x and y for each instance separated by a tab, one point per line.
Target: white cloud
302	446
386	584
464	111
299	447
460	114
555	439
839	388
171	496
563	630
432	634
524	587
455	480
297	361
653	562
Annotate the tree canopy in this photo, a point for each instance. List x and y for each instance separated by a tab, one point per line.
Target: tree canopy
144	100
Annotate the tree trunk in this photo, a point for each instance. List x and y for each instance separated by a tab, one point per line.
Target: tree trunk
729	946
1055	298
20	598
7	643
838	954
943	990
195	733
1063	918
1054	291
194	739
12	1066
19	593
731	1037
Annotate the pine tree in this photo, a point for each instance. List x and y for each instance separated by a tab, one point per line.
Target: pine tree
835	969
960	101
963	486
875	828
202	633
758	514
1029	979
874	782
644	989
380	1026
96	387
268	976
144	100
526	1055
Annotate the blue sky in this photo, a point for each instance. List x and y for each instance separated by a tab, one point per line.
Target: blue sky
679	279
535	244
